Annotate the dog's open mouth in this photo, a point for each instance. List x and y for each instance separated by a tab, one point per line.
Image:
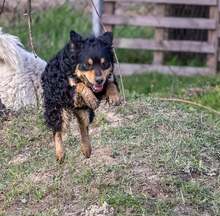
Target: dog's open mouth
97	88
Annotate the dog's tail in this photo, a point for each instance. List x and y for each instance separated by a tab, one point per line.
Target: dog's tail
8	51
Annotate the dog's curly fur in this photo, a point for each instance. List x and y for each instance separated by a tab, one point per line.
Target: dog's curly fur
67	89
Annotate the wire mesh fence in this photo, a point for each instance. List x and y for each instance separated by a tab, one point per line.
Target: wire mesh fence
188	11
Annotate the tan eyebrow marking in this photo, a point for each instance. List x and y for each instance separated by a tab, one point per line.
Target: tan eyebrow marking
90	61
102	60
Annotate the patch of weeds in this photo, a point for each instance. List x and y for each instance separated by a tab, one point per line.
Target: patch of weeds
192	193
210	98
196	194
40	123
100	120
26	128
50	212
123	202
85	177
125	134
163	207
72	141
16	138
39	193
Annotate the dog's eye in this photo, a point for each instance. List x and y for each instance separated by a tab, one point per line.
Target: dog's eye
105	65
86	66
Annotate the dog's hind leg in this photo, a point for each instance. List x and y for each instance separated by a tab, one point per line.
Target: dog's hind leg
58	141
84	117
58	136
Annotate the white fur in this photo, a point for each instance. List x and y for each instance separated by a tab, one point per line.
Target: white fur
20	74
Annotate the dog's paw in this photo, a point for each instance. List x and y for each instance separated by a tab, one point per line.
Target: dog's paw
60	155
88	96
114	100
91	100
86	150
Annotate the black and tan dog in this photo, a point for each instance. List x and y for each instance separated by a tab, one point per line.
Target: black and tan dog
74	82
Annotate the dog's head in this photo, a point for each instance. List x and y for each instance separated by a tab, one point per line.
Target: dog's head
95	59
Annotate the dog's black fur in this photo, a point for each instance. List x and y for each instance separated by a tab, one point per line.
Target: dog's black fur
57	92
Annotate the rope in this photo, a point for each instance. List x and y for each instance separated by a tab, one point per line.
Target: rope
116	57
178	100
28	14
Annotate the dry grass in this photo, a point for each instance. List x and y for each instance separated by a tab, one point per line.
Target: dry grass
149	158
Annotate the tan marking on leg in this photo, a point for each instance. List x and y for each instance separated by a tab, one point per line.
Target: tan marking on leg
83	121
58	141
112	94
58	136
65	120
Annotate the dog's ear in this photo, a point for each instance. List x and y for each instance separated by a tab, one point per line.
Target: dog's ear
107	38
75	38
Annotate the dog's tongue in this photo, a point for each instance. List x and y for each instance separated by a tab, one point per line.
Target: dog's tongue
97	88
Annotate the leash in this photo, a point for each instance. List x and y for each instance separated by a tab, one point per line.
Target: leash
116	57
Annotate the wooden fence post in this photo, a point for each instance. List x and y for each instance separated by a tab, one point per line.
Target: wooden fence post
212	59
109	9
159	36
95	18
218	29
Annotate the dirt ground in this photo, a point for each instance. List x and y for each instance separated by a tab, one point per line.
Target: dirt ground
149	158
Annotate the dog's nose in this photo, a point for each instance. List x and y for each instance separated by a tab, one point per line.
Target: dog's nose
99	80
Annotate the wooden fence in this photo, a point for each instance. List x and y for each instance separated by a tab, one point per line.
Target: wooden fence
161	44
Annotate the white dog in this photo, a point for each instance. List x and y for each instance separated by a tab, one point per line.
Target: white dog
20	73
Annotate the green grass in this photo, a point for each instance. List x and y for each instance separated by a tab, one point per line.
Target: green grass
201	89
161	159
123	201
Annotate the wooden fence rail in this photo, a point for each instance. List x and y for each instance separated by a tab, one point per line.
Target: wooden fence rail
161	44
166	45
186	2
161	22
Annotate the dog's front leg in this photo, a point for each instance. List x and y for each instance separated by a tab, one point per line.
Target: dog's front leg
112	94
83	121
88	97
